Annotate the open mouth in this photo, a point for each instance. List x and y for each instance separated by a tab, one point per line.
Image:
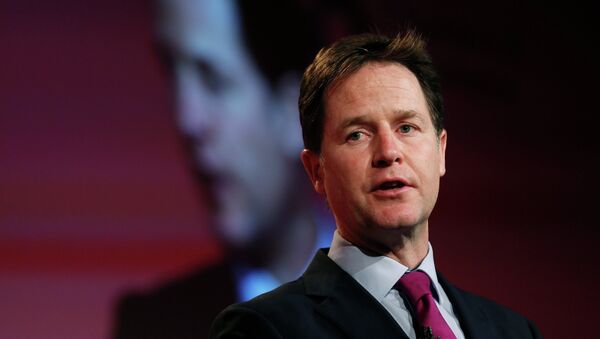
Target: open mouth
390	185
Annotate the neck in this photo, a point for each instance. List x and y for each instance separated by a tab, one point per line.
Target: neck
407	246
410	252
286	246
293	248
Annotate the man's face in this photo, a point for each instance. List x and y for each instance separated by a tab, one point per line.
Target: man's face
381	159
228	112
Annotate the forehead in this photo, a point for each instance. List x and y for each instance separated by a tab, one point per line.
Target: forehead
202	29
376	87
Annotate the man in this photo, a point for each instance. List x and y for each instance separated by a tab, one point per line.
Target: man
372	122
236	96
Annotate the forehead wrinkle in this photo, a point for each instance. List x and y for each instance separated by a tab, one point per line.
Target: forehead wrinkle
353	121
351	94
406	114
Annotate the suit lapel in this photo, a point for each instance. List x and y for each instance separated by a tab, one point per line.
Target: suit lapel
473	321
346	303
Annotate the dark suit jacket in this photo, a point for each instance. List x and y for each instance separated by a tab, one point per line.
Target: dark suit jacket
326	302
181	308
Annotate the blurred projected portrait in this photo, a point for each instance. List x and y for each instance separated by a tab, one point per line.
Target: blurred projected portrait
235	68
242	129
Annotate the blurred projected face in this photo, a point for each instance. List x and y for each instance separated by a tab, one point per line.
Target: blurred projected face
229	113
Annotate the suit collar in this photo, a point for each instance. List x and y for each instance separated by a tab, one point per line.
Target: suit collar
473	321
346	303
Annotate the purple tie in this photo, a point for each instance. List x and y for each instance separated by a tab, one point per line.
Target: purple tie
416	285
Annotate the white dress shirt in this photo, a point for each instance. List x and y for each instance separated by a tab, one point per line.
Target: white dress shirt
379	274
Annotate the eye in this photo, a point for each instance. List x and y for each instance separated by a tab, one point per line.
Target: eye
355	136
214	80
406	129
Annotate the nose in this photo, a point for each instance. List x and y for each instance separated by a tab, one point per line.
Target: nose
386	150
194	111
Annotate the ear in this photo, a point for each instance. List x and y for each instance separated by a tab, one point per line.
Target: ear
312	165
443	138
286	125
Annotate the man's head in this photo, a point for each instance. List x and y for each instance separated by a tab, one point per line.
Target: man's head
348	55
236	105
371	113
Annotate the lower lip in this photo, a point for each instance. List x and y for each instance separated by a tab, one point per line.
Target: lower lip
392	193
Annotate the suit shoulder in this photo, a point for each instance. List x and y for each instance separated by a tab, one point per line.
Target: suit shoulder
507	321
289	296
491	306
185	304
287	312
201	285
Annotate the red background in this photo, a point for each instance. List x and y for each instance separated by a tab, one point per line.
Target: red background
95	197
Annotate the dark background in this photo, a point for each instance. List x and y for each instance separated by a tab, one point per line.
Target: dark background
95	197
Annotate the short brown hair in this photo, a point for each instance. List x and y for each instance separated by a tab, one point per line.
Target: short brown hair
345	57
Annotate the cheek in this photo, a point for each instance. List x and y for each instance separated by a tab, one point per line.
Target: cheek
424	163
345	164
427	159
431	175
344	175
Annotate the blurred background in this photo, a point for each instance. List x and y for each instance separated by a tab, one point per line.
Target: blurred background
96	195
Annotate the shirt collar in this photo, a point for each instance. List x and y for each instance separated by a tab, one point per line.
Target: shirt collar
376	274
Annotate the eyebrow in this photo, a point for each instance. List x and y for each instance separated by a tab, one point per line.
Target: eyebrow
363	119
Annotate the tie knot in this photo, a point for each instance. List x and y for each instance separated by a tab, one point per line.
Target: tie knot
417	287
415	284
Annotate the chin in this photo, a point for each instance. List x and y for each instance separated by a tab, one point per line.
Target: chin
238	235
397	222
398	214
233	239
